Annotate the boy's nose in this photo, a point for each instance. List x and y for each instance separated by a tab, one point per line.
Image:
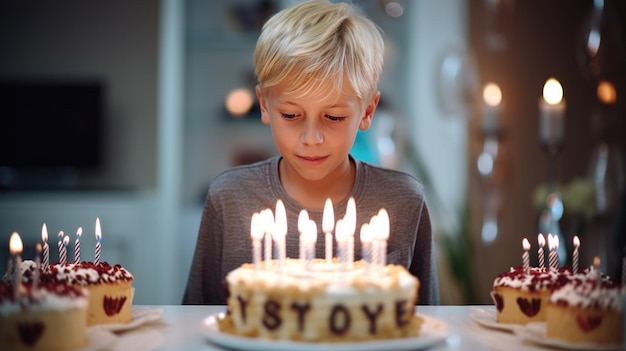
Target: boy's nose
312	135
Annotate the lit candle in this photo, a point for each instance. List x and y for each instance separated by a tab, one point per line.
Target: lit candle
525	257
46	248
256	233
624	267
492	97
303	223
366	243
66	241
540	253
349	220
382	235
374	228
79	232
552	259
37	265
341	236
96	259
328	224
556	251
596	267
60	244
16	247
575	255
310	238
280	231
268	224
552	110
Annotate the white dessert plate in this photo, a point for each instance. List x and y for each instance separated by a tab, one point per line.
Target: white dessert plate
141	316
98	339
432	332
487	318
536	333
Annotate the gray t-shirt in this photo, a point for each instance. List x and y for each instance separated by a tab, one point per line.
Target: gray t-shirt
224	237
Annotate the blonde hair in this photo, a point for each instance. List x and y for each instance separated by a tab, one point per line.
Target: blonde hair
317	42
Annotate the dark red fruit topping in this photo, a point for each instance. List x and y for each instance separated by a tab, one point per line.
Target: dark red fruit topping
30	332
113	305
529	308
588	323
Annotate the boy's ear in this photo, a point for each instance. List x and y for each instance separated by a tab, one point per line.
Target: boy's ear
366	121
265	118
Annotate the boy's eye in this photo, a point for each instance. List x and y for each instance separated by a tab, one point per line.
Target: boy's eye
289	115
335	118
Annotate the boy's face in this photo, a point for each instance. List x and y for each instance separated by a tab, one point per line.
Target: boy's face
314	134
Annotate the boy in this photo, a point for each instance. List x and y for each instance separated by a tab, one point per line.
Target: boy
317	66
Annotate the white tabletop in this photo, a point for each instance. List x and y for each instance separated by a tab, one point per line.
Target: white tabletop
180	328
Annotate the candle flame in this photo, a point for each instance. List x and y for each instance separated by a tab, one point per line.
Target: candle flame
98	229
350	217
44	233
38	247
267	221
576	241
550	242
280	227
383	230
606	92
526	244
328	218
66	240
15	244
61	235
596	262
366	233
552	91
303	221
341	234
556	241
79	232
311	232
256	227
542	240
492	95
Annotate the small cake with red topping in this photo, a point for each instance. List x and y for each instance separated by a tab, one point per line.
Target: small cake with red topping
520	297
49	317
109	289
586	310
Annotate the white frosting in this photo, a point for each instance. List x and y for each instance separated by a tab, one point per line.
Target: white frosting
536	279
85	274
42	300
587	294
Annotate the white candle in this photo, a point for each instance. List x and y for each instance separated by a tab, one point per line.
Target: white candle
15	248
96	259
268	224
596	266
383	235
540	253
303	223
552	111
79	232
328	224
349	220
374	228
310	238
341	236
492	97
525	257
575	255
46	248
256	234
280	231
366	243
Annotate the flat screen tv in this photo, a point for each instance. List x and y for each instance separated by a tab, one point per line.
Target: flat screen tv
51	124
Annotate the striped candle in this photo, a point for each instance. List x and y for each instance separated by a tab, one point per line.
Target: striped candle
96	259
60	244
63	258
46	249
79	232
525	256
540	252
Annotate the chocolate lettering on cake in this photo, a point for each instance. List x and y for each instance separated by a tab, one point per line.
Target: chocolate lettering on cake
113	305
588	323
301	310
339	320
30	332
372	316
271	317
403	317
242	306
529	308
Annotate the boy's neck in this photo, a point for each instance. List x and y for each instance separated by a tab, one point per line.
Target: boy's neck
313	194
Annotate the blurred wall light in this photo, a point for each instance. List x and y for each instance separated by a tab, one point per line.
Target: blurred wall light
239	102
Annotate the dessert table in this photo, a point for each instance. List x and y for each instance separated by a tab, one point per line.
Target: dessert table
181	328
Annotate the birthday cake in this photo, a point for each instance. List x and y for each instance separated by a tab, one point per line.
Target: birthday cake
586	310
109	289
47	317
321	301
520	297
